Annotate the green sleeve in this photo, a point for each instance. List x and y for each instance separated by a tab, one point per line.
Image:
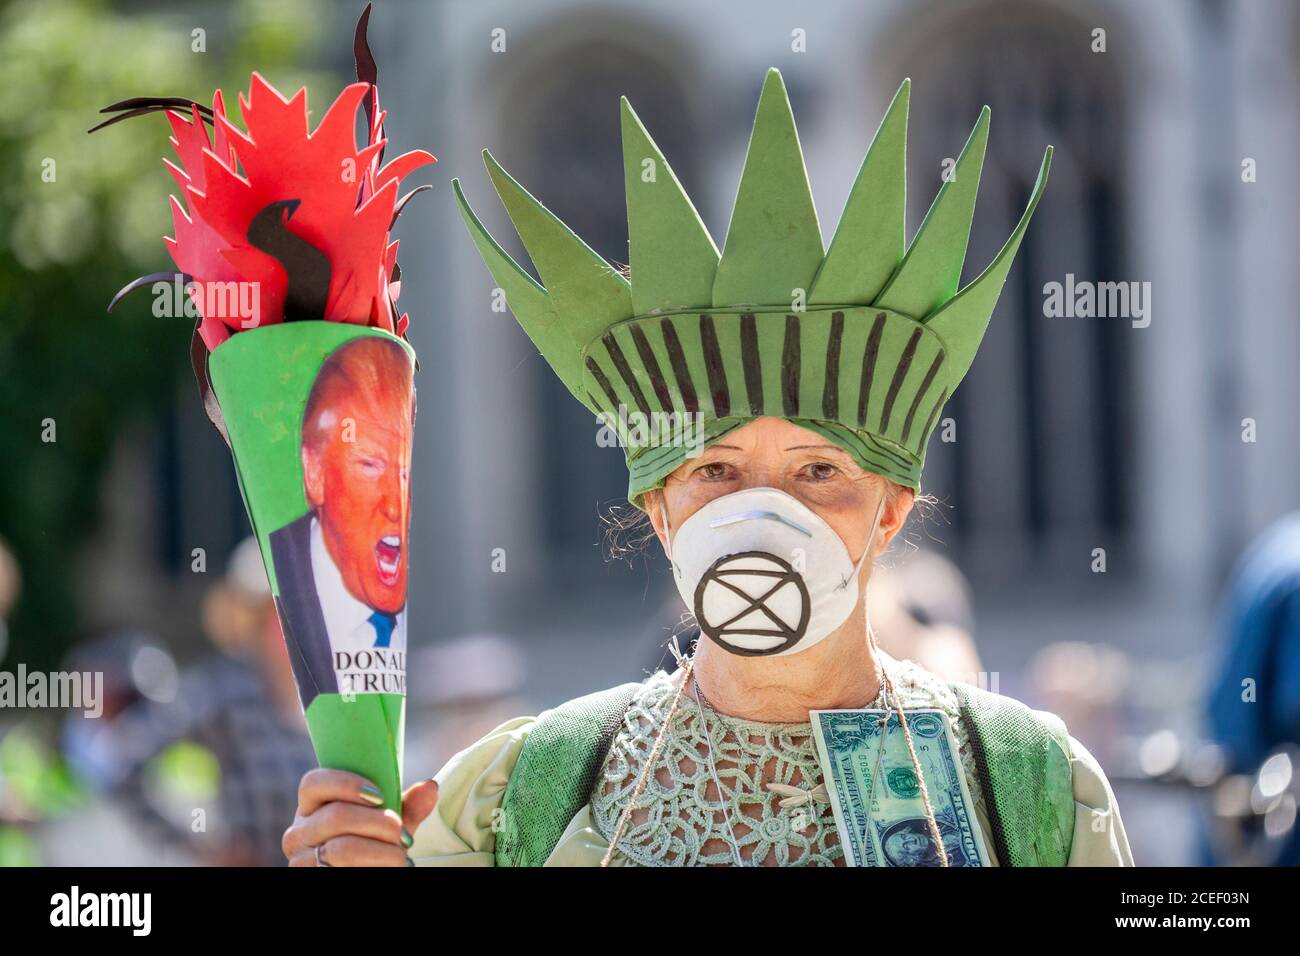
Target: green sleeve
461	831
1099	837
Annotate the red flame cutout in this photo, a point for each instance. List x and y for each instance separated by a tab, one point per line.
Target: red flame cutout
346	205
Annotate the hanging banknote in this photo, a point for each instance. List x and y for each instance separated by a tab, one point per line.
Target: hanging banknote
876	796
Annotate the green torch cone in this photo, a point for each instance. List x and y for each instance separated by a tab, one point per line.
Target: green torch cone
300	356
320	418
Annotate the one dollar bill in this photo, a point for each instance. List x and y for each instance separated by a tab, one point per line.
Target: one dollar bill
876	797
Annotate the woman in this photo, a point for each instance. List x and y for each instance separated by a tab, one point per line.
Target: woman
774	401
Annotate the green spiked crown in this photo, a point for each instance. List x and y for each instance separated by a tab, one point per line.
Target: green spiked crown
862	343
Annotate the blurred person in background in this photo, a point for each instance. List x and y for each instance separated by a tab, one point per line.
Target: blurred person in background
1252	708
239	618
208	758
37	789
11	581
460	689
1086	684
920	609
242	706
16	846
116	826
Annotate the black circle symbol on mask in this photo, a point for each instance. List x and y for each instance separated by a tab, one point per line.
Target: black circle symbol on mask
746	583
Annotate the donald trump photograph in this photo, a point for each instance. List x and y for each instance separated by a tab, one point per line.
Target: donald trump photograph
342	566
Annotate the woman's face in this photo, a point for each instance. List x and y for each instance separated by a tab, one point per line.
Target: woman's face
775	453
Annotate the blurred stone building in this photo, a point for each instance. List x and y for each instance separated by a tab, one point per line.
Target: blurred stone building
1072	433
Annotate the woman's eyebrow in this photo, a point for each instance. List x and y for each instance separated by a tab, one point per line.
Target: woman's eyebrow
834	448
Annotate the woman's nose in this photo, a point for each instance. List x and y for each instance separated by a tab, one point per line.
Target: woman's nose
764	475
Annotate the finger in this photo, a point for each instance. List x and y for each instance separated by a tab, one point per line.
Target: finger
320	786
292	842
348	819
418	802
295	839
304	857
361	851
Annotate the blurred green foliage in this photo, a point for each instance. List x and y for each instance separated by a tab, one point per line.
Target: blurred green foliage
34	777
68	244
17	848
187	772
35	786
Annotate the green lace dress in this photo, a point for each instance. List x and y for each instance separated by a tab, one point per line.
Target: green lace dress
773	800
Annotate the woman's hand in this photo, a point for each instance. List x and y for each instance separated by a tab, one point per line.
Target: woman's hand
341	821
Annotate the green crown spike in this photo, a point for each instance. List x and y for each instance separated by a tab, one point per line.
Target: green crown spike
714	341
869	240
530	303
931	270
672	256
584	288
962	321
774	243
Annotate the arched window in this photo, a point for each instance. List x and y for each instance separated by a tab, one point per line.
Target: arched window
564	125
1042	456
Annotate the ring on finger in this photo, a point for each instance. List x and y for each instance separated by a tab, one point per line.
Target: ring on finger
316	852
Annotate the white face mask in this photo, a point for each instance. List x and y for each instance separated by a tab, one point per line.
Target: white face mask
764	574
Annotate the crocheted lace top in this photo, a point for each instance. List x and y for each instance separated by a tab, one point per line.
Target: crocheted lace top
772	790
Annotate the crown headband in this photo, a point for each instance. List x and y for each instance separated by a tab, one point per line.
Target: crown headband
862	343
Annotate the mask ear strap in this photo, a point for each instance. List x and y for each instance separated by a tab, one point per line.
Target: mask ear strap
875	526
663	516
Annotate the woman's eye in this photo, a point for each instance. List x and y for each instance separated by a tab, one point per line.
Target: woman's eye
713	471
821	471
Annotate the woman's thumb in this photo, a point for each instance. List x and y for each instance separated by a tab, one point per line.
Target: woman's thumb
418	802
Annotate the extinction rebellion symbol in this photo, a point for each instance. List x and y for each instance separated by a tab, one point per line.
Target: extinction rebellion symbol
753	603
